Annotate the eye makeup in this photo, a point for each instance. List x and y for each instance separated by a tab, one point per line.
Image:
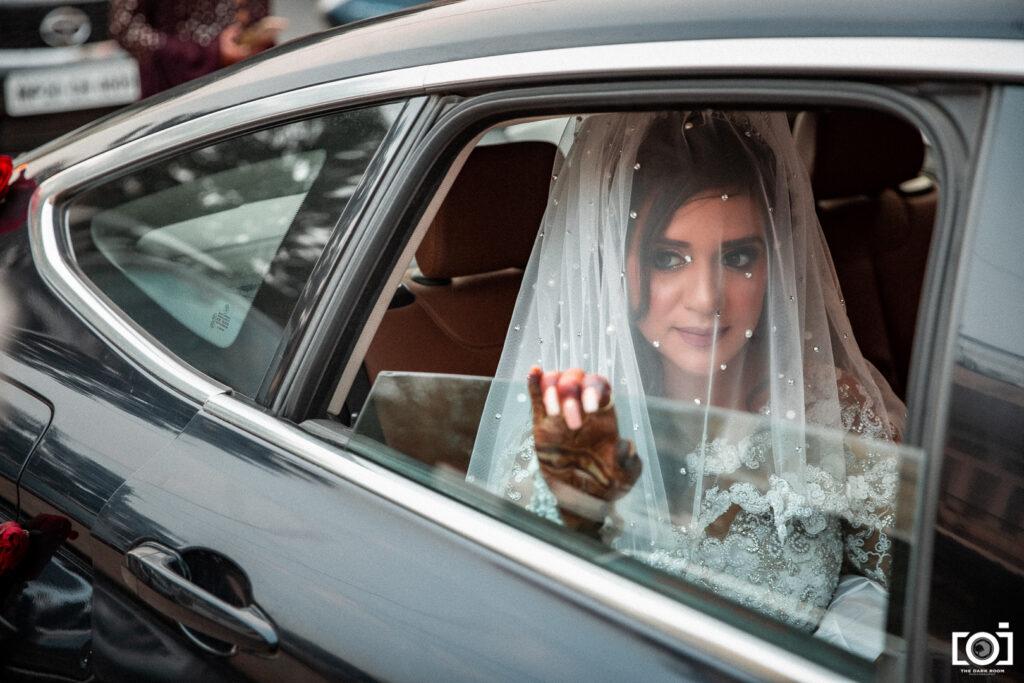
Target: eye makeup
741	258
736	254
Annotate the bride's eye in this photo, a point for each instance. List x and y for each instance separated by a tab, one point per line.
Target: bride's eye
740	258
667	260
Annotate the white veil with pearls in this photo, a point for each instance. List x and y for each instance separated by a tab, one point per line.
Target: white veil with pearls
792	429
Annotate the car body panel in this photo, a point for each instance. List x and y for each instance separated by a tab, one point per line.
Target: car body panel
89	393
346	576
450	32
24	417
94	392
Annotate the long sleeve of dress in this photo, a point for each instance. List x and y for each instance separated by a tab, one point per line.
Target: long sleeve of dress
855	618
130	27
872	478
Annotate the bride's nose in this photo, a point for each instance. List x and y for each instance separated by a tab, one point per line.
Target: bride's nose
704	290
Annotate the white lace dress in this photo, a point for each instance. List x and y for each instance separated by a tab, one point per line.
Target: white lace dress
785	565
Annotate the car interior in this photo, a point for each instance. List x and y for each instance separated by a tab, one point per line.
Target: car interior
450	314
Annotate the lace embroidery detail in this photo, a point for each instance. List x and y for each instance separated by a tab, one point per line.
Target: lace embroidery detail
724	457
858	413
791	580
783	552
526	485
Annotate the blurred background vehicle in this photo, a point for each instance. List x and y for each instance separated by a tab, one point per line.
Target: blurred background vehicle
339	12
59	69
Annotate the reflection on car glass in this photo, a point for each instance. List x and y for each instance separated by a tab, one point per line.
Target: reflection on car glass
210	250
205	270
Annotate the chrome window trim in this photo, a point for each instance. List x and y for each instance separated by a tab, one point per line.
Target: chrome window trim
58	271
668	618
874	57
943	364
778	56
943	58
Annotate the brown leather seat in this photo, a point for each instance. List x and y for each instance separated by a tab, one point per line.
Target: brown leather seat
879	236
470	265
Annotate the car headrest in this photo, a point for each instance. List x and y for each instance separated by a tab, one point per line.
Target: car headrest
851	153
490	218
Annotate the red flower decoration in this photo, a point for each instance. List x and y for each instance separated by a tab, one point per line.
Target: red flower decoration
6	170
13	546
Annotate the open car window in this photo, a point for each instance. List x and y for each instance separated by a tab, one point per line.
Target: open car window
798	511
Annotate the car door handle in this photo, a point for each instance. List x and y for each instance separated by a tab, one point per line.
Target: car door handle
148	569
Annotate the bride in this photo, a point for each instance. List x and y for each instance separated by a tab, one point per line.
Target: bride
705	407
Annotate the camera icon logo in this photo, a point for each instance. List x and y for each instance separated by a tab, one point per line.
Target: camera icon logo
983	648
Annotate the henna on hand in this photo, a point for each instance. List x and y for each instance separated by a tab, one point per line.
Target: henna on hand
584	462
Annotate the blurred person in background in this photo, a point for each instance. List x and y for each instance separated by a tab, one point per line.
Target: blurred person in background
175	42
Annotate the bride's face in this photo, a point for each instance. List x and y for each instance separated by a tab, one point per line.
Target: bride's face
710	258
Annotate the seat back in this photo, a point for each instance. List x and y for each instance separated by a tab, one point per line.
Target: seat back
878	234
455	314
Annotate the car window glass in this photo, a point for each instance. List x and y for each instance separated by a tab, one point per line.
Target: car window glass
209	250
979	553
782	486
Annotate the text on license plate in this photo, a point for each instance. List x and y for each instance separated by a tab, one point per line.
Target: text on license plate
42	91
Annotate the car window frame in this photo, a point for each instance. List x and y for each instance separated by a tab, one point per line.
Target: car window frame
50	240
953	290
466	119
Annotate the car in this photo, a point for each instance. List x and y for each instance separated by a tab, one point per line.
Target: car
59	69
340	12
239	393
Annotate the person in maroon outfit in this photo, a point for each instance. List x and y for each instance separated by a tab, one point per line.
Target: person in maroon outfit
175	42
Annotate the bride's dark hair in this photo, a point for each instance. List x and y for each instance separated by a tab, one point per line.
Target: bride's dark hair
684	156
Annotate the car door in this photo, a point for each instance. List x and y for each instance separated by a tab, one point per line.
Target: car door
241	548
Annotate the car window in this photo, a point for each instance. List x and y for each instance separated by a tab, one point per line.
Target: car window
729	437
979	554
209	250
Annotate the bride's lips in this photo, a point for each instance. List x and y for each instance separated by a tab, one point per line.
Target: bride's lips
699	337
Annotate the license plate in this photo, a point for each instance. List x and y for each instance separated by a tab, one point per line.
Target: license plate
43	91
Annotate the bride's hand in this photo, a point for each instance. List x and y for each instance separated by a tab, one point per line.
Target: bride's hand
584	462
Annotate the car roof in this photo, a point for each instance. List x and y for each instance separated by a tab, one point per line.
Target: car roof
452	30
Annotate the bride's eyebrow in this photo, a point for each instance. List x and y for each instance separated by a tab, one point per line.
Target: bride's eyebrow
666	242
743	241
731	244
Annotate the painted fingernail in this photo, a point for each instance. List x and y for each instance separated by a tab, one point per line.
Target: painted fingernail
551	401
591	400
573	418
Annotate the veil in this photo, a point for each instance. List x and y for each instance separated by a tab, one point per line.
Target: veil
791	427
